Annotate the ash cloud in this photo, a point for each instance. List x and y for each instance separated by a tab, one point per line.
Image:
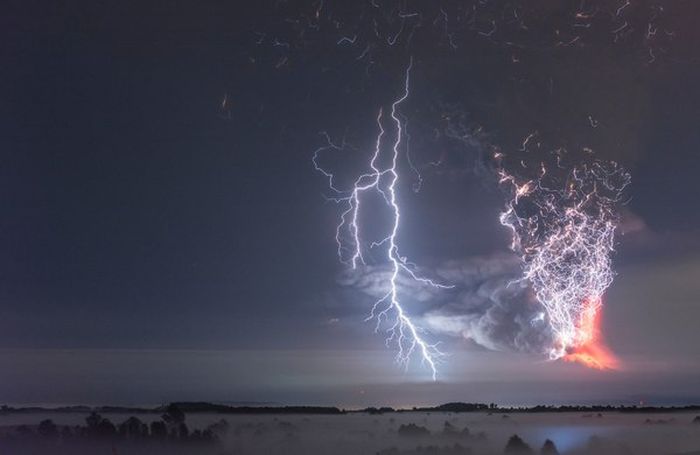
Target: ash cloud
487	304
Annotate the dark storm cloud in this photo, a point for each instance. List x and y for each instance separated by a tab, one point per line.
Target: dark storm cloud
487	304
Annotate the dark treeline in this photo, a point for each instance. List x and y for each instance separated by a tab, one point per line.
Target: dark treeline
186	407
481	407
170	428
4	409
194	407
213	408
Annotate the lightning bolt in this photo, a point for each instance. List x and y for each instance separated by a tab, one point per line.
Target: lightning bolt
388	311
565	235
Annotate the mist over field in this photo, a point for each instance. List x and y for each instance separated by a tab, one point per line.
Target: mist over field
383	434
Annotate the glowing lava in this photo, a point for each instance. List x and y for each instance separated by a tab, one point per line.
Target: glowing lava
590	349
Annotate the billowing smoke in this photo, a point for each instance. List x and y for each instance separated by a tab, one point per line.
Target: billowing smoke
487	305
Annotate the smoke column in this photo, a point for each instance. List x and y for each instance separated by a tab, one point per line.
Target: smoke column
563	227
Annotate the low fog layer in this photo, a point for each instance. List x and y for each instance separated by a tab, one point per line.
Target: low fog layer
382	434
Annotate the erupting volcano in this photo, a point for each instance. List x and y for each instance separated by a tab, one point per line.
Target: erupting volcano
590	349
563	227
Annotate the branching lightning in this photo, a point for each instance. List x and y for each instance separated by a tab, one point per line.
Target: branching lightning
562	218
564	229
388	311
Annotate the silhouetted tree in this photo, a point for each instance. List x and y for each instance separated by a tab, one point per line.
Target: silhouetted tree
133	428
47	429
413	430
448	429
159	430
92	421
218	428
208	436
517	446
106	429
182	431
173	415
549	448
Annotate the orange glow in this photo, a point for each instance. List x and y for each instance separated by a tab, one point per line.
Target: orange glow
594	355
591	351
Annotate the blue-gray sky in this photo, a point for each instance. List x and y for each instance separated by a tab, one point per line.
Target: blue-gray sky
158	245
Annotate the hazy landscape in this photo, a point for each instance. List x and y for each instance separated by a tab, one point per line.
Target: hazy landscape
329	430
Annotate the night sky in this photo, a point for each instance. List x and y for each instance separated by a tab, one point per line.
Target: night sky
164	235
